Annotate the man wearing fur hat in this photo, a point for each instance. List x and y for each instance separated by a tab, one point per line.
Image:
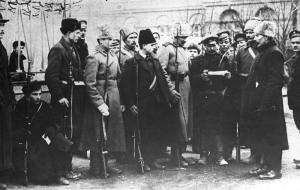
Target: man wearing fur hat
264	103
101	76
208	79
175	60
292	71
129	39
6	98
61	57
244	60
149	94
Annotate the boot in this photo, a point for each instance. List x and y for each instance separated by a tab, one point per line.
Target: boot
203	158
176	158
96	165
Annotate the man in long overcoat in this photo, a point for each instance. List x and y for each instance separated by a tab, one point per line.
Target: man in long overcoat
5	107
101	76
148	94
62	58
264	103
292	71
175	60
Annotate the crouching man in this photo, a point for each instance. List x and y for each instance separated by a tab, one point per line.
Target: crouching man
32	124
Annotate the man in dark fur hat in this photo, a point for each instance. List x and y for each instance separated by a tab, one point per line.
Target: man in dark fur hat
155	95
62	58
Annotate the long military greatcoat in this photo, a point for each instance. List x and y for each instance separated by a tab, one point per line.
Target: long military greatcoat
56	77
263	98
5	115
167	59
293	69
95	79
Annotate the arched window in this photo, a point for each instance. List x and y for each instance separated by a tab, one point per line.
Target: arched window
197	22
266	13
230	19
163	24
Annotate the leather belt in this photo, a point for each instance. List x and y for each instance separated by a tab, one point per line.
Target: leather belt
180	76
76	83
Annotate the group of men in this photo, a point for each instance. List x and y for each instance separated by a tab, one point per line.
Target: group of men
135	97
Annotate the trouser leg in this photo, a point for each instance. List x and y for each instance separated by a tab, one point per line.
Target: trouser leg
273	158
296	114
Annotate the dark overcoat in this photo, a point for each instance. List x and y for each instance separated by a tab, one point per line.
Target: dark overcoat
41	163
56	77
263	97
293	65
152	105
5	112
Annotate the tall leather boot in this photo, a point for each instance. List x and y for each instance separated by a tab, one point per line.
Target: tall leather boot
220	151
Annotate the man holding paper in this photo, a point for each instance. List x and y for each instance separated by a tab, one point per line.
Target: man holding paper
208	79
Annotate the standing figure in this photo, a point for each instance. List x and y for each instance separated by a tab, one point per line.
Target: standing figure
81	45
175	60
244	61
13	61
101	76
208	78
6	97
127	51
63	61
264	103
292	70
149	94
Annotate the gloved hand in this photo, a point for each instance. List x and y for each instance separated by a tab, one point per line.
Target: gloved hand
204	75
103	108
175	96
134	109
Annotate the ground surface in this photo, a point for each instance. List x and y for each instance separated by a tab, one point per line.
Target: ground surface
211	177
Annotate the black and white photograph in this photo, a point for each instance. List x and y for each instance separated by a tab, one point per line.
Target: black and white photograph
149	94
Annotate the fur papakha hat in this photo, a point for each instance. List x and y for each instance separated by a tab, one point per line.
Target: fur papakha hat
266	28
252	23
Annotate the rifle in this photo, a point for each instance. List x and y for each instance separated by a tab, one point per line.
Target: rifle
27	127
68	116
103	138
137	132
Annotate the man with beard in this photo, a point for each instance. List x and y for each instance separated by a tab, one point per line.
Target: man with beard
129	36
292	71
264	104
127	51
62	58
208	78
175	60
44	156
6	98
148	95
244	60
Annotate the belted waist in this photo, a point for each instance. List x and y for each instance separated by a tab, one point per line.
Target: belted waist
104	78
181	76
76	83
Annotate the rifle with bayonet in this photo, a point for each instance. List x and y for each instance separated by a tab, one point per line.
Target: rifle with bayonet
104	119
27	128
68	116
137	131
